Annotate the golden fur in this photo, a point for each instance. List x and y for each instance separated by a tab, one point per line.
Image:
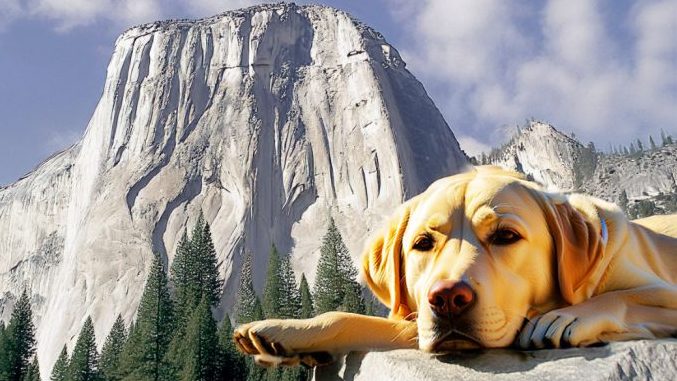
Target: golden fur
580	273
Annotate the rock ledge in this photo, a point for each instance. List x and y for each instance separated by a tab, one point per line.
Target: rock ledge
636	360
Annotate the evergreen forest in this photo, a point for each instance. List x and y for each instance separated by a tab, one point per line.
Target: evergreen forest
175	335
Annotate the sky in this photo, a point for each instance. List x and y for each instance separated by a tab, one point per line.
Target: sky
604	70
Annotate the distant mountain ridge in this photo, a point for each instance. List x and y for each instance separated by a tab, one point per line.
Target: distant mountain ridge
644	182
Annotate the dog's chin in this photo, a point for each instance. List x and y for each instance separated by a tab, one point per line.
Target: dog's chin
452	341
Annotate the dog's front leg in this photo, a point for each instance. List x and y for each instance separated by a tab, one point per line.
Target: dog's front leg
641	313
317	340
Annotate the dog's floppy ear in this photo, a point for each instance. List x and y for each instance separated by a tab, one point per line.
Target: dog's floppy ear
382	267
579	244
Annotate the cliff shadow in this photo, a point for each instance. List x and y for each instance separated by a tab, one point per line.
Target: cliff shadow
500	361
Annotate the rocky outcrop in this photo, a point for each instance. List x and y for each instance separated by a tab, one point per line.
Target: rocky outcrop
545	154
268	119
643	175
635	360
561	163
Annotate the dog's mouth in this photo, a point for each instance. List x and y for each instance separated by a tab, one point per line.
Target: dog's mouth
456	340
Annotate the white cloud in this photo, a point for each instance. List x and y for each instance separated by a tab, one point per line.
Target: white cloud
9	10
606	77
70	14
472	146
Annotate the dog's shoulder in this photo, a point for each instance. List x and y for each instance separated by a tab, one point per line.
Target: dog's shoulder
663	224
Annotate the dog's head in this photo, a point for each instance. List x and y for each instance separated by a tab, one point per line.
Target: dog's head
477	253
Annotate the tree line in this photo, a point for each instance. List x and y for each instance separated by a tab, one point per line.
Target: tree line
175	335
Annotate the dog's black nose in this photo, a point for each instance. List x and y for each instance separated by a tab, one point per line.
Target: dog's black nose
450	298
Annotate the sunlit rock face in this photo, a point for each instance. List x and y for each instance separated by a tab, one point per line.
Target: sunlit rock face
562	163
268	119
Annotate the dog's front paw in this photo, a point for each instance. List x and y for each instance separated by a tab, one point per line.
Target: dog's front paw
249	340
265	340
565	328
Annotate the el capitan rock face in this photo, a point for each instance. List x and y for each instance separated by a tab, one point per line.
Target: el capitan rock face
269	119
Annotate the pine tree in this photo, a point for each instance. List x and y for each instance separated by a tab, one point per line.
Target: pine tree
143	357
232	366
60	368
200	348
640	146
110	353
181	278
248	306
664	140
307	308
195	270
328	292
353	300
335	270
652	143
623	201
18	343
3	352
290	303
207	267
84	363
272	292
33	371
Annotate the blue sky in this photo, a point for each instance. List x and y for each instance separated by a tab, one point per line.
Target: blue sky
605	70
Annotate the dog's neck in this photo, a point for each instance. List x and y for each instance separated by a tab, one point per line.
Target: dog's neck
625	242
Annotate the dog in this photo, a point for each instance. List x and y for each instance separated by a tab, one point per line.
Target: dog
487	259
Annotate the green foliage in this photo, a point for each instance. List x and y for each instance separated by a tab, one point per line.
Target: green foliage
232	366
623	201
198	359
195	271
60	368
206	272
143	357
307	308
642	208
181	278
33	371
248	306
84	363
272	290
352	299
335	270
112	349
290	302
17	341
281	298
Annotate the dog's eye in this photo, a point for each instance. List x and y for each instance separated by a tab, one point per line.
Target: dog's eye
424	243
504	237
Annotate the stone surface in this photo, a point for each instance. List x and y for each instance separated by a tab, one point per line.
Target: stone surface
269	119
635	360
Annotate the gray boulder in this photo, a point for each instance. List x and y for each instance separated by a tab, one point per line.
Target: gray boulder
633	360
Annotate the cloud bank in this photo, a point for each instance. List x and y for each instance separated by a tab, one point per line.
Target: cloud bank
69	14
605	70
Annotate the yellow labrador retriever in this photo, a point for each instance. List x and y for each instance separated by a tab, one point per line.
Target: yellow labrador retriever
488	259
